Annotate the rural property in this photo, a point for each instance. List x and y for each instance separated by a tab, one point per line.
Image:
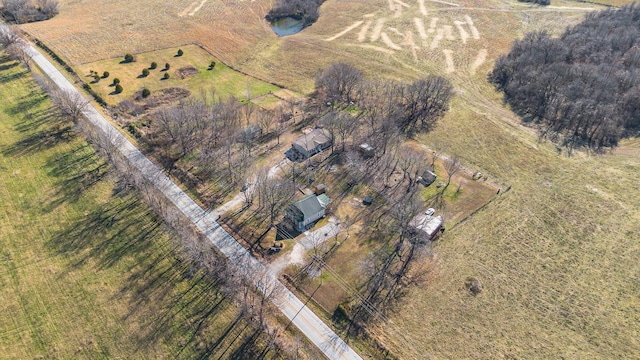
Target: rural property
342	179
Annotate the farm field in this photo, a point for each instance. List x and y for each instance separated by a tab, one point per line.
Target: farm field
86	270
556	257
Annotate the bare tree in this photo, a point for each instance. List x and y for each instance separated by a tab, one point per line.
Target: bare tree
23	11
70	103
424	102
274	194
17	52
47	7
280	124
247	111
265	120
8	37
345	126
183	124
436	152
388	267
412	163
18	9
249	193
259	290
237	158
338	83
378	104
452	165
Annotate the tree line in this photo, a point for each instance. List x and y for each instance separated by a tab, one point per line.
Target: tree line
306	10
24	11
581	89
539	2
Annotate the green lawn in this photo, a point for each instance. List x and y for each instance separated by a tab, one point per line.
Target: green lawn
86	270
224	80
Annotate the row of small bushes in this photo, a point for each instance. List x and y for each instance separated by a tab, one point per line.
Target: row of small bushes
68	68
54	56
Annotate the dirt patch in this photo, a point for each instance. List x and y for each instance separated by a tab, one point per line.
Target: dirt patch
167	96
186	72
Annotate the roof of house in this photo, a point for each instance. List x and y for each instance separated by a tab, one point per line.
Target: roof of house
311	140
426	223
324	200
309	205
366	147
429	176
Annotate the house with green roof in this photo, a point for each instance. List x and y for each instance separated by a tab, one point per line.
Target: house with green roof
307	210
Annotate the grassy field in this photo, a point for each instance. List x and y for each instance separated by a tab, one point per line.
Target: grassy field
556	256
221	78
86	270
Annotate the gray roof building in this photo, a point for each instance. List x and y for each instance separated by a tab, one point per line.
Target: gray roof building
427	178
307	210
313	142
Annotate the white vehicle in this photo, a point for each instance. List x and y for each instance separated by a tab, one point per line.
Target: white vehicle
430	211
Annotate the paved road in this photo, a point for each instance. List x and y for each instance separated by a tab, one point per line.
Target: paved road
316	330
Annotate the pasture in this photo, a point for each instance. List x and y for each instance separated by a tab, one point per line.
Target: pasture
556	257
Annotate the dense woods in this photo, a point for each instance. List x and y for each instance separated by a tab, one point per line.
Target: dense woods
306	10
582	89
23	11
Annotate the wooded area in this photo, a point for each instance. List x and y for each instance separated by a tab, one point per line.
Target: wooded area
23	11
306	10
580	89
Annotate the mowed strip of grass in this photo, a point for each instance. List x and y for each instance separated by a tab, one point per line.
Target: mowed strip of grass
86	270
224	80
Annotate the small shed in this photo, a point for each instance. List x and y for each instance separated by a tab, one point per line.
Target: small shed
427	178
368	200
324	200
431	226
366	150
320	189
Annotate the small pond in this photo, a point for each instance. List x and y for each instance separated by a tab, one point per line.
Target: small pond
286	26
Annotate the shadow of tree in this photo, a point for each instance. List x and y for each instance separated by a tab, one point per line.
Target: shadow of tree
96	236
39	140
248	349
27	103
7	78
42	126
170	302
8	65
33	119
76	170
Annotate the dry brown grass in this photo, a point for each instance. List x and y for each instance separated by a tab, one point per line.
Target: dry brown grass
556	256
